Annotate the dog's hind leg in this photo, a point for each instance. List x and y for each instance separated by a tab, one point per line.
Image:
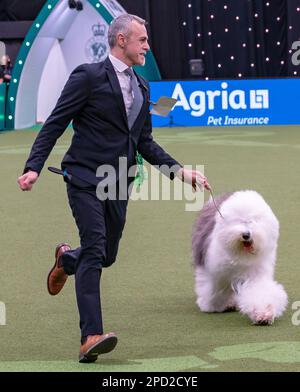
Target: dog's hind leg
211	296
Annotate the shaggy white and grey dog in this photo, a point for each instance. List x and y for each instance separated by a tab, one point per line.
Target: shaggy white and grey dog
234	257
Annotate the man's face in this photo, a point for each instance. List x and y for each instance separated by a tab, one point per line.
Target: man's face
136	45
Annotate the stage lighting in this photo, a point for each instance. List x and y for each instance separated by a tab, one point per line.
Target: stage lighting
75	5
196	67
72	4
79	6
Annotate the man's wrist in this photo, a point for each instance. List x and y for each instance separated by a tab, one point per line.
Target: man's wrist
28	169
179	173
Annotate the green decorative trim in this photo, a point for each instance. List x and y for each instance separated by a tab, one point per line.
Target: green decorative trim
99	7
150	71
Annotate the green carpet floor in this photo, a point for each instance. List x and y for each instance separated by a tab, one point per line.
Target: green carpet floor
148	295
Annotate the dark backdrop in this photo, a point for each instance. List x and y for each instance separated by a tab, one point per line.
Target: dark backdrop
233	38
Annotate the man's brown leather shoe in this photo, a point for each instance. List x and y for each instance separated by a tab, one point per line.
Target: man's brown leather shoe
96	345
57	276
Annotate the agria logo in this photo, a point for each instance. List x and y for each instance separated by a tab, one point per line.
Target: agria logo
201	101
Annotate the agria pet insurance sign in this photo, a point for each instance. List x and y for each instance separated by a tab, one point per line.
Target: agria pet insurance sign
230	102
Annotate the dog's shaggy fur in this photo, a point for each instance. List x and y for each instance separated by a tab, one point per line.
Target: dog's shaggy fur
234	257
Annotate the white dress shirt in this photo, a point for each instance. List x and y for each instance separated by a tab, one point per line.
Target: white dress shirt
124	81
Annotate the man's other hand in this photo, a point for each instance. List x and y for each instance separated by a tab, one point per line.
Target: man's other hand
27	180
193	177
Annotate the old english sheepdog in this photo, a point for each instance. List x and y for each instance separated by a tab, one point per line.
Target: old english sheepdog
234	250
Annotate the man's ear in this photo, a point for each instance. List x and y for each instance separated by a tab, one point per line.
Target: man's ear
121	40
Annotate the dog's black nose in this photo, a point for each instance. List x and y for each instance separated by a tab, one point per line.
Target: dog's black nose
246	236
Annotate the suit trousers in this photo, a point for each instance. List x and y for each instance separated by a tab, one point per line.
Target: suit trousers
100	224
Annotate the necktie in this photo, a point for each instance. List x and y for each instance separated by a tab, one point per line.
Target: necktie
137	98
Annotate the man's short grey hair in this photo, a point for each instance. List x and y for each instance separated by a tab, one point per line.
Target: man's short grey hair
122	24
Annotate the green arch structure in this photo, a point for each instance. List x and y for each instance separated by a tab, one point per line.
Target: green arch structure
150	71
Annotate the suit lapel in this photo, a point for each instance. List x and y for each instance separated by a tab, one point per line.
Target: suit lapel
115	85
145	93
143	87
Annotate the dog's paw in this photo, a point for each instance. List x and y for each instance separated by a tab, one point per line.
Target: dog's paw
263	316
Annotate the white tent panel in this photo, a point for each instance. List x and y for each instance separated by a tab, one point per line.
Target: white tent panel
56	71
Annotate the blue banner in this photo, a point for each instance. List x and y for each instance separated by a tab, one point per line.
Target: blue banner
230	102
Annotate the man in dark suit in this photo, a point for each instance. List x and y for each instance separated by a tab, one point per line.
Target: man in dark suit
109	106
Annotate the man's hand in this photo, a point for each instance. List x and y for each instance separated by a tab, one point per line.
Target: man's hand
27	180
193	177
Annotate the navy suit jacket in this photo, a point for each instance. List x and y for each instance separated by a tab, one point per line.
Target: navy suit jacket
93	99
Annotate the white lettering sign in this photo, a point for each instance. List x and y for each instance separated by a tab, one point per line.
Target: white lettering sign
200	101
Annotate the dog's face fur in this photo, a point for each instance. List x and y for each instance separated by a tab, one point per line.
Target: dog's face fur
249	226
